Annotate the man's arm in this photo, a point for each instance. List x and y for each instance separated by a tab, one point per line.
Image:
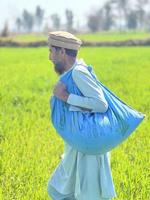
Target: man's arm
93	98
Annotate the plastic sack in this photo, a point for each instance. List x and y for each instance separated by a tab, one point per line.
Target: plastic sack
93	133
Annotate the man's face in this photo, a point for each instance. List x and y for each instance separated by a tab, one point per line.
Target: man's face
57	58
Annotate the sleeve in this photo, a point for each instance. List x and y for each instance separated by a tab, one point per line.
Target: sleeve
93	98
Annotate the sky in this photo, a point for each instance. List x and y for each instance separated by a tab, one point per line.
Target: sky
11	9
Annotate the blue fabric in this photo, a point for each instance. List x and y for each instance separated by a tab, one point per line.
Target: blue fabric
55	195
93	133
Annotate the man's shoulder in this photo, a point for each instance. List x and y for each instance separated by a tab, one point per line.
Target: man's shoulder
80	69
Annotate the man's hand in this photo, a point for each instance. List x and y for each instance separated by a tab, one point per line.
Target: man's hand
60	91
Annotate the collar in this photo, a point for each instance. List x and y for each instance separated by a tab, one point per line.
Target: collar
77	62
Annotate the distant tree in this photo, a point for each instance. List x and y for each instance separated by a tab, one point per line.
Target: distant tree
141	13
5	30
108	16
18	23
28	20
69	19
101	19
39	14
148	22
56	21
132	20
93	22
122	9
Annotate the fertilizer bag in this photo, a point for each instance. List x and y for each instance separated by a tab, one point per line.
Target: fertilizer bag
93	132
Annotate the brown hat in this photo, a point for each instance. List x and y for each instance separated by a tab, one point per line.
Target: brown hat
63	39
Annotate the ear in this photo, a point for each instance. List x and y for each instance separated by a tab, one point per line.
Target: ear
63	51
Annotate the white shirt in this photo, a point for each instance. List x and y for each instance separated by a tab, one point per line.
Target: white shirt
93	98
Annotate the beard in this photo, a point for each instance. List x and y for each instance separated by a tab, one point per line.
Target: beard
59	68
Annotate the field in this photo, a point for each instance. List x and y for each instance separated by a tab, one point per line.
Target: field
30	147
103	36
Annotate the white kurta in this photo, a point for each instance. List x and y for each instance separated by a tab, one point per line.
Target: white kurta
80	176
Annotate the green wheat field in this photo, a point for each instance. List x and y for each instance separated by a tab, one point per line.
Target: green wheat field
30	147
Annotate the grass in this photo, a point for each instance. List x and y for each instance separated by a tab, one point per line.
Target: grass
103	36
114	36
30	147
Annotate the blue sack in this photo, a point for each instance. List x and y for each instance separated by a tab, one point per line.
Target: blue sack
93	133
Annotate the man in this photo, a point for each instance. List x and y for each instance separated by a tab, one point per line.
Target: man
78	176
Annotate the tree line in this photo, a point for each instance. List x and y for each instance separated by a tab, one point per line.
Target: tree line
112	15
121	15
29	20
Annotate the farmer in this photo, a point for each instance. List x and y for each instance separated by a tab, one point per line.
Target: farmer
78	176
